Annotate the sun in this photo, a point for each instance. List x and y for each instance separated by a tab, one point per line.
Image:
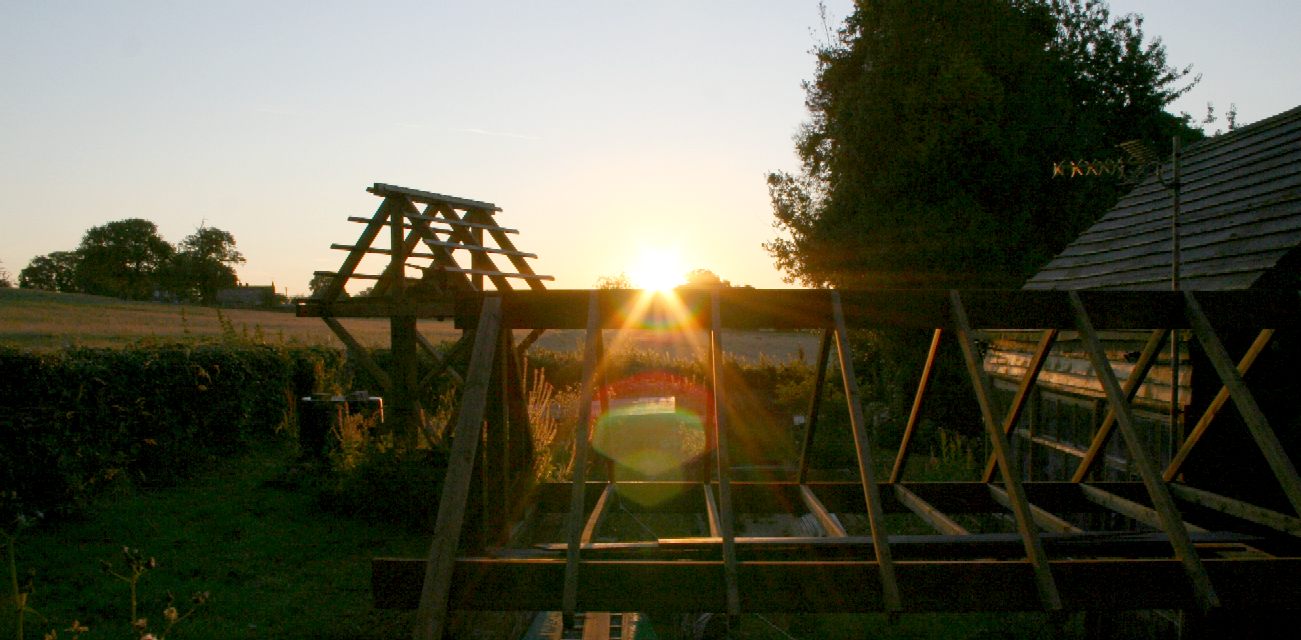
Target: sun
657	269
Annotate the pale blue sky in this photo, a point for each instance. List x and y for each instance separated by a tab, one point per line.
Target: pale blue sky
601	128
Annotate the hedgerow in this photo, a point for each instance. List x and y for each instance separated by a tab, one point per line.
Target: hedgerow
78	421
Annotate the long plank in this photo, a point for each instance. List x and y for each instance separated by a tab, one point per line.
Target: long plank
1023	392
505	243
407	226
591	363
1290	525
368	235
863	450
431	618
815	406
598	514
1129	508
459	222
1213	409
1158	493
1257	423
837	587
1046	520
928	513
915	415
727	519
380	188
1100	439
1044	581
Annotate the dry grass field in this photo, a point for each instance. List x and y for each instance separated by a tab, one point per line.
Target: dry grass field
43	320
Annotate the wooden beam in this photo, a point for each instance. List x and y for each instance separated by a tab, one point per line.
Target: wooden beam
440	362
462	236
828	521
928	513
1047	586
505	243
1170	520
431	618
711	512
1129	508
1257	423
381	189
459	222
727	519
1103	435
591	364
1250	585
598	514
1042	517
1023	392
915	415
863	450
361	354
405	226
1290	525
1213	409
368	235
815	405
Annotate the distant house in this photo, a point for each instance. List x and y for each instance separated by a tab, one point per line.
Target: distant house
1240	228
246	296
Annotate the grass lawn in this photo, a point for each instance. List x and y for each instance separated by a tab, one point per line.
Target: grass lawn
276	566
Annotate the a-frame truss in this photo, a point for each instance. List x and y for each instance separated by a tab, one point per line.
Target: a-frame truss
1234	554
437	246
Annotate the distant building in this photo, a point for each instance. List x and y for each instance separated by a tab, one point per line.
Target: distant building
246	296
1240	228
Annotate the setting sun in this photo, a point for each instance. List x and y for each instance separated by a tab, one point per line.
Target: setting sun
657	269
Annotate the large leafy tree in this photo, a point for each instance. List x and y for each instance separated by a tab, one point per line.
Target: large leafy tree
933	128
122	259
203	264
55	271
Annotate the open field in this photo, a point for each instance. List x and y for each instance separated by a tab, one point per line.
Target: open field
44	320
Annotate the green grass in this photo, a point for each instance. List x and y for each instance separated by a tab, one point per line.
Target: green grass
276	566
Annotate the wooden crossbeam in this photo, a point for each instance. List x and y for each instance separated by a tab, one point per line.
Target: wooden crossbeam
1252	416
719	424
915	415
360	353
863	450
928	513
1023	392
1129	508
598	514
459	222
815	405
711	513
1103	435
1170	520
404	226
373	226
1044	581
492	250
592	361
837	587
447	245
499	236
381	189
1042	517
828	521
1213	409
462	236
431	618
1290	525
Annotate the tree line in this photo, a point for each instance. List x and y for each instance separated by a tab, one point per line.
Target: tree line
128	259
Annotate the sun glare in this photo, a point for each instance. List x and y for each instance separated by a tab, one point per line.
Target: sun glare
657	269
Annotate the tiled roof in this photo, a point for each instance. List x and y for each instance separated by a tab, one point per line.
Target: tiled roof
1240	214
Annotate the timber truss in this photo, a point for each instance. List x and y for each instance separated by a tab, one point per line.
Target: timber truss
1179	547
435	242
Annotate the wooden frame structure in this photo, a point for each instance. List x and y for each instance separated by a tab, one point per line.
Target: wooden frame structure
433	242
1239	556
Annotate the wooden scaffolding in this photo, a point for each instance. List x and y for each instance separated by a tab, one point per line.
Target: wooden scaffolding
1182	547
432	242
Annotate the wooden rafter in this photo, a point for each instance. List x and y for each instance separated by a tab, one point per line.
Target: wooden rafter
915	415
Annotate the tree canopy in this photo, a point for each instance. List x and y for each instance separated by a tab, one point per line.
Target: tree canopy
128	259
926	160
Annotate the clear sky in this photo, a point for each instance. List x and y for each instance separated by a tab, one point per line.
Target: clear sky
604	129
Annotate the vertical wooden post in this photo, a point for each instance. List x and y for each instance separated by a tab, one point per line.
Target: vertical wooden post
1025	525
815	404
577	502
915	416
863	447
431	617
727	520
495	483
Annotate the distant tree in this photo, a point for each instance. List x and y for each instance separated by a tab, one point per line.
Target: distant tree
933	126
320	281
620	281
203	264
703	279
5	282
122	259
52	272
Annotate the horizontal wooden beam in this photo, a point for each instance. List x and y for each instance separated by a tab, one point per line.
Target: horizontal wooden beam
461	223
744	308
405	226
475	247
841	587
429	197
375	308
